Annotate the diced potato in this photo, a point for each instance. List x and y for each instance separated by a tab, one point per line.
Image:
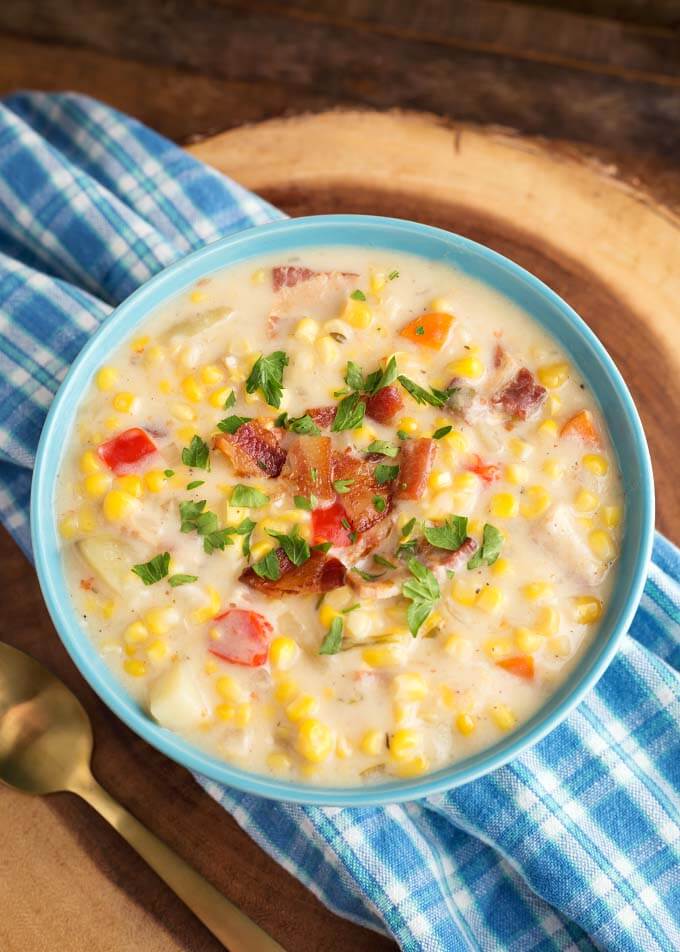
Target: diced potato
559	533
111	560
175	698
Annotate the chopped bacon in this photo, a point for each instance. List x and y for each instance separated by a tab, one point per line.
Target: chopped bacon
387	586
298	289
369	540
330	525
318	574
288	275
252	450
308	466
522	396
359	500
383	405
125	452
434	557
498	356
244	637
322	416
486	471
416	459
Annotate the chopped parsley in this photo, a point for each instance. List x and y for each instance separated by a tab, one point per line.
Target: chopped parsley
333	639
450	535
490	549
367	576
342	486
306	503
441	432
247	497
385	473
267	376
408	527
217	539
245	529
196	454
322	547
230	401
423	592
403	435
195	483
231	424
420	330
295	547
314	473
392	275
380	446
358	295
354	377
168	472
304	425
268	567
379	503
154	570
435	398
382	377
350	413
381	560
180	579
195	518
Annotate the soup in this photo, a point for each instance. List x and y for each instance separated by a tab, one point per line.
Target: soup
342	517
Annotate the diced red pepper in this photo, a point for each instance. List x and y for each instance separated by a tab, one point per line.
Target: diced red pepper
244	637
486	471
383	405
124	451
327	525
522	666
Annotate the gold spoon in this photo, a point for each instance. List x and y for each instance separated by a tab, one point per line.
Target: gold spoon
46	746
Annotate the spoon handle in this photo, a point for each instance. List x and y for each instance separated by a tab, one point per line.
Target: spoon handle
234	929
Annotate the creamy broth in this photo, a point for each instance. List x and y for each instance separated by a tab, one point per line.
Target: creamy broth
312	670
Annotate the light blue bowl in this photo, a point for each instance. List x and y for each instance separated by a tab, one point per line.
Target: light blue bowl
380	233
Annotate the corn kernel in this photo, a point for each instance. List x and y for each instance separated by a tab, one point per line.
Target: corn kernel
159	621
516	474
69	527
260	549
463	593
585	501
124	402
358	314
285	690
410	686
153	355
440	479
359	624
130	650
225	712
229	689
157	650
278	762
500	567
611	516
440	305
503	717
457	647
601	545
139	343
465	724
165	386
315	740
218	398
107	378
327	349
307	330
595	463
108	608
197	296
258	277
372	743
587	609
343	748
134	667
504	506
454	441
414	767
97	484
527	640
553	375
560	646
520	449
283	653
553	469
490	599
118	505
192	390
244	713
535	501
497	648
87	521
383	656
210	667
465	482
130	484
547	429
211	374
547	621
155	480
90	463
326	614
405	744
408	425
209	610
135	633
554	404
538	591
470	367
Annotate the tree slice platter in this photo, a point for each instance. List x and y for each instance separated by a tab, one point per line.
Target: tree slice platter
609	250
66	879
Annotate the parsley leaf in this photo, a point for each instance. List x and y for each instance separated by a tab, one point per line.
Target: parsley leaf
230	401
385	473
407	528
358	295
379	503
196	454
423	592
231	424
248	497
245	528
268	567
168	472
382	377
295	547
333	640
281	419
442	431
302	502
450	535
392	275
322	547
381	560
342	486
195	484
407	548
267	376
380	446
189	513
176	580
367	576
304	425
354	377
350	413
490	549
217	539
153	570
436	398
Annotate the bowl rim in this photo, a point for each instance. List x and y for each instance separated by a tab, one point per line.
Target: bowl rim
112	691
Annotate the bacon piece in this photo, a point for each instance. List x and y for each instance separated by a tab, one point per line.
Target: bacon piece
369	540
358	501
522	396
486	471
307	453
288	275
416	459
434	557
318	574
322	416
298	289
383	405
252	450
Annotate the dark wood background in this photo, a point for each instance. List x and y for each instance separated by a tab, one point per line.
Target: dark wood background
603	75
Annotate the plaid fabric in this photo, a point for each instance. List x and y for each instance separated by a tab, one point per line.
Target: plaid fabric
574	845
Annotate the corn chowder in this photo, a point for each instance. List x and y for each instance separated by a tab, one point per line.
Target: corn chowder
340	517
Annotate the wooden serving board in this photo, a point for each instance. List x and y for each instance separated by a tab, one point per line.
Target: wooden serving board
66	880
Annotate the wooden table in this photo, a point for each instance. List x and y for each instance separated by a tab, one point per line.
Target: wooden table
611	193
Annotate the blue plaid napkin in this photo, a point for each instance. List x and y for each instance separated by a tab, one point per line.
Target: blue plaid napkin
575	844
